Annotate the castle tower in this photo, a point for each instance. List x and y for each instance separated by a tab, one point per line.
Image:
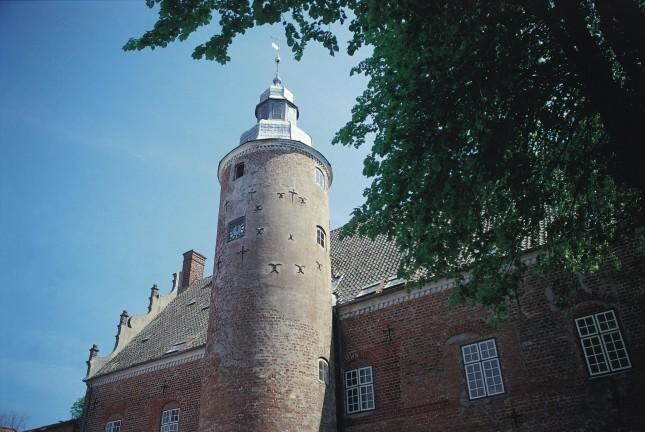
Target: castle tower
267	364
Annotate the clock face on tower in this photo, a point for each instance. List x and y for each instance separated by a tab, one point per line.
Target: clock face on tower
236	229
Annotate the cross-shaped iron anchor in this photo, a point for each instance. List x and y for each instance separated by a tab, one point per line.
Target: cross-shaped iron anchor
242	252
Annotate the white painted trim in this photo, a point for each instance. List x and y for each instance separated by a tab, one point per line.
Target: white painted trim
360	306
390	299
162	363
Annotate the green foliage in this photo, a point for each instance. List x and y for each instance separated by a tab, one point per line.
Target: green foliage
496	126
76	410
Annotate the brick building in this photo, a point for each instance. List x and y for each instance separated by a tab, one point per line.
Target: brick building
299	330
63	426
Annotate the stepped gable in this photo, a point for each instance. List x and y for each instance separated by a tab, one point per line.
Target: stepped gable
181	321
358	262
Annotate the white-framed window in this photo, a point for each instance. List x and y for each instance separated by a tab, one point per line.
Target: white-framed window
113	426
359	390
602	343
320	178
320	236
483	372
170	420
323	370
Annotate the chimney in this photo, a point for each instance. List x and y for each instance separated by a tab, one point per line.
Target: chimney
193	269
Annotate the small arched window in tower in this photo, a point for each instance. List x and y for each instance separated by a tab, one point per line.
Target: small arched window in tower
320	236
238	171
323	371
320	178
170	420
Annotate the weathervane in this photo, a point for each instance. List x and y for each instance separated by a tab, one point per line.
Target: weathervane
276	80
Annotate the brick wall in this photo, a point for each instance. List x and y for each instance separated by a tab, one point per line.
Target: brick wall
138	401
419	381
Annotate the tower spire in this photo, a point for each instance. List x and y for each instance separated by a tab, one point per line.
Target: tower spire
277	79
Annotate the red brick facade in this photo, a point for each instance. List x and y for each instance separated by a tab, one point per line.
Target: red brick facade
138	401
414	349
419	382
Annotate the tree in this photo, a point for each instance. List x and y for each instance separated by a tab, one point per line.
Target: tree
13	420
496	126
76	410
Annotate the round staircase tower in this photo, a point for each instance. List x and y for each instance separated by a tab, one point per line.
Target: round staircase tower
269	337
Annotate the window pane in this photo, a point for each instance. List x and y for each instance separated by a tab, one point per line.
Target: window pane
351	378
616	351
487	349
367	397
352	400
320	178
320	236
493	375
607	321
170	420
277	110
475	381
323	371
365	375
470	353
595	356
586	326
113	426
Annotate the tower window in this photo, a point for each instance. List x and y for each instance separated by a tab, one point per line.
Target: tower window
277	110
320	236
602	343
323	370
359	390
238	171
483	373
113	426
170	420
320	178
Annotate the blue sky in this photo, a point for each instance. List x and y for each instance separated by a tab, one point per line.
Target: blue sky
108	174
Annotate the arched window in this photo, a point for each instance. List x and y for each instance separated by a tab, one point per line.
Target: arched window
323	371
320	236
320	178
113	426
170	420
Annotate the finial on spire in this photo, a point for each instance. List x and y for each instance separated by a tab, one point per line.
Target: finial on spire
277	79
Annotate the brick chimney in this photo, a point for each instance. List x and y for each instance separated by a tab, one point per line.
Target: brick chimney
192	270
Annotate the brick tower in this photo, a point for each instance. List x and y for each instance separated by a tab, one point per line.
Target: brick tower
269	338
